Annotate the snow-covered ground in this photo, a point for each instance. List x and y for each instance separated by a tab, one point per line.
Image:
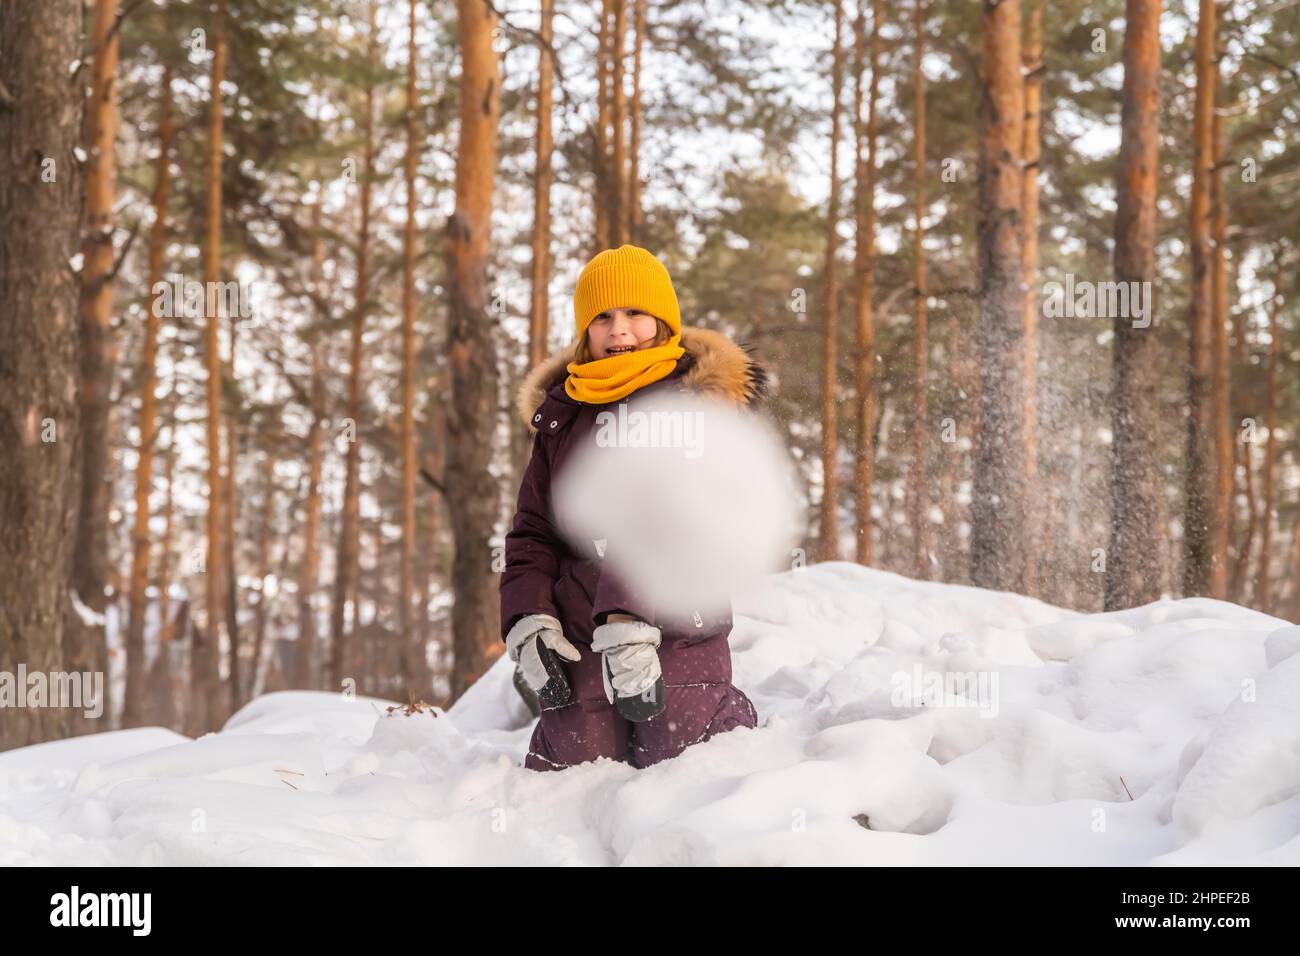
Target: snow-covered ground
1168	734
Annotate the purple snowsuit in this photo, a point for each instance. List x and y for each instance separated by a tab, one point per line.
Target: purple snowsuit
544	575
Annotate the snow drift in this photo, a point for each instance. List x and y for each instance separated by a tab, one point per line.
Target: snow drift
1167	734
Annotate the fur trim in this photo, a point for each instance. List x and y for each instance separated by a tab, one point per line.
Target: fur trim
722	368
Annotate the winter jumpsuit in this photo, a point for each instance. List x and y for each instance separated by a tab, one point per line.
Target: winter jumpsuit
544	575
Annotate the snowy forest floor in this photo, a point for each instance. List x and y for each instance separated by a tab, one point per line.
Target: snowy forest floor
1168	734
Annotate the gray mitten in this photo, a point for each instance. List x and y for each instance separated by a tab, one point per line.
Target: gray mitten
534	643
630	668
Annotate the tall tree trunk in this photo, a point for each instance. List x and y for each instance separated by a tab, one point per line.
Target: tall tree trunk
169	517
1264	576
997	539
539	278
84	641
133	706
40	226
345	660
206	701
230	515
414	674
1135	557
429	557
829	525
471	353
1199	539
1240	585
919	492
967	416
864	473
1221	371
601	160
1243	461
618	105
952	514
634	159
1032	153
306	670
1074	540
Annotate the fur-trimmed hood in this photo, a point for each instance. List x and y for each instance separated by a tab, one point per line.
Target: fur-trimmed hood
718	367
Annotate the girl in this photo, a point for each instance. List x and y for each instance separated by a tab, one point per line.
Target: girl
614	678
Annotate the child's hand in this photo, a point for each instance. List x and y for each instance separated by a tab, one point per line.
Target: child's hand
533	644
630	666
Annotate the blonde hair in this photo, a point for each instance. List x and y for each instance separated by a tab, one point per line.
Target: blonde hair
582	351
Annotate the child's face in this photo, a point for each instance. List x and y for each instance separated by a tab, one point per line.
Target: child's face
615	331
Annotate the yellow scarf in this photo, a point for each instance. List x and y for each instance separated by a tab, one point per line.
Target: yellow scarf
616	376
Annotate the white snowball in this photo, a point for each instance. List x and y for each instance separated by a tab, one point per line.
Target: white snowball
688	498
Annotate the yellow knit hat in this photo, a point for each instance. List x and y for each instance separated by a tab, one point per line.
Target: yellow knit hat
628	277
